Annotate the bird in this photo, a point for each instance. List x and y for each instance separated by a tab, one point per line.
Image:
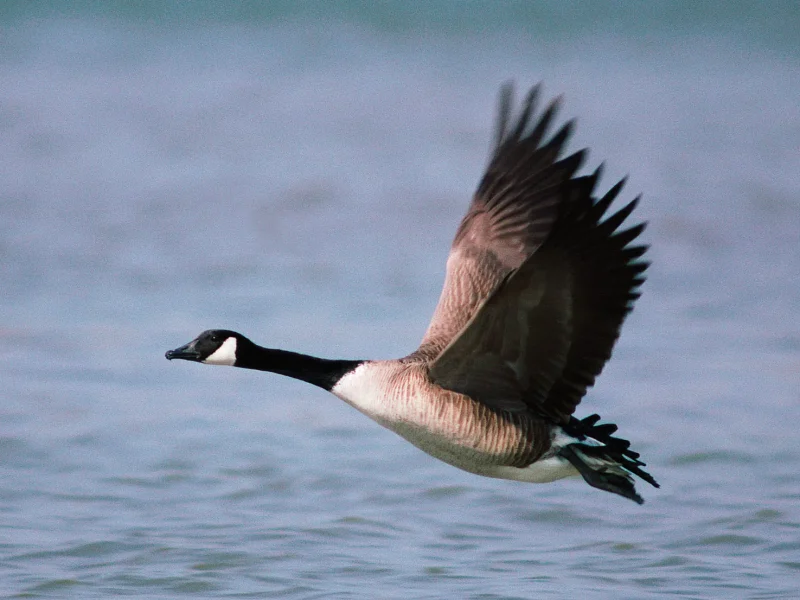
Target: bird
539	279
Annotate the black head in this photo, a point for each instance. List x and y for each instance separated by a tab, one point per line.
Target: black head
213	347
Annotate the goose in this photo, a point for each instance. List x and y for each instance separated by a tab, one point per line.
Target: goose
537	285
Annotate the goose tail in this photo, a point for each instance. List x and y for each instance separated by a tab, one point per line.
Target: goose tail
605	462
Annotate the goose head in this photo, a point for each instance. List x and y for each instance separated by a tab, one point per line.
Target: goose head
212	347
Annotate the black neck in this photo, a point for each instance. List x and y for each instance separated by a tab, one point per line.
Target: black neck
317	371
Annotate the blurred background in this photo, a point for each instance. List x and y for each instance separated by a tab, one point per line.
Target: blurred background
296	171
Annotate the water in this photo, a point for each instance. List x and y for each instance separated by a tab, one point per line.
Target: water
297	174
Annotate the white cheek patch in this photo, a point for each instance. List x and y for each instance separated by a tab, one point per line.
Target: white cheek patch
224	355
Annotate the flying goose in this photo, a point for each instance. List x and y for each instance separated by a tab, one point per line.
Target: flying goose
537	286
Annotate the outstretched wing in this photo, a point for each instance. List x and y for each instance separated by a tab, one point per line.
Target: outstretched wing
546	331
511	215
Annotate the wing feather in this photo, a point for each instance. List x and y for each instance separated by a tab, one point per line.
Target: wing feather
549	327
511	215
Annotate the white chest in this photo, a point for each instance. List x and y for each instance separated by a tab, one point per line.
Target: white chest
367	389
400	398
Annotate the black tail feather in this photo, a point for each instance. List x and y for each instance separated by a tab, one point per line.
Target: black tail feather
615	449
602	480
588	427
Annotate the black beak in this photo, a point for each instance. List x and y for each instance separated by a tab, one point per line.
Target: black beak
186	352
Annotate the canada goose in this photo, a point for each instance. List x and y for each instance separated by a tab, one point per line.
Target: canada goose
536	290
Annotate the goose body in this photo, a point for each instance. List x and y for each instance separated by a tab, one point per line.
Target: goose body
538	283
450	426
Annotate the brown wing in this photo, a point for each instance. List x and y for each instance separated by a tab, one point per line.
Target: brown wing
545	333
510	216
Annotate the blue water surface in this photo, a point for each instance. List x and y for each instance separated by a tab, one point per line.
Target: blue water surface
296	171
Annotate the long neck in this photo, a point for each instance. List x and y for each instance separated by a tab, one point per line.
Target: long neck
317	371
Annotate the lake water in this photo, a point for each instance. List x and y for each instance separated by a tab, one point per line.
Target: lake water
297	174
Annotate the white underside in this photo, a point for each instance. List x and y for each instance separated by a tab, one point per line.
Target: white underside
543	470
550	467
